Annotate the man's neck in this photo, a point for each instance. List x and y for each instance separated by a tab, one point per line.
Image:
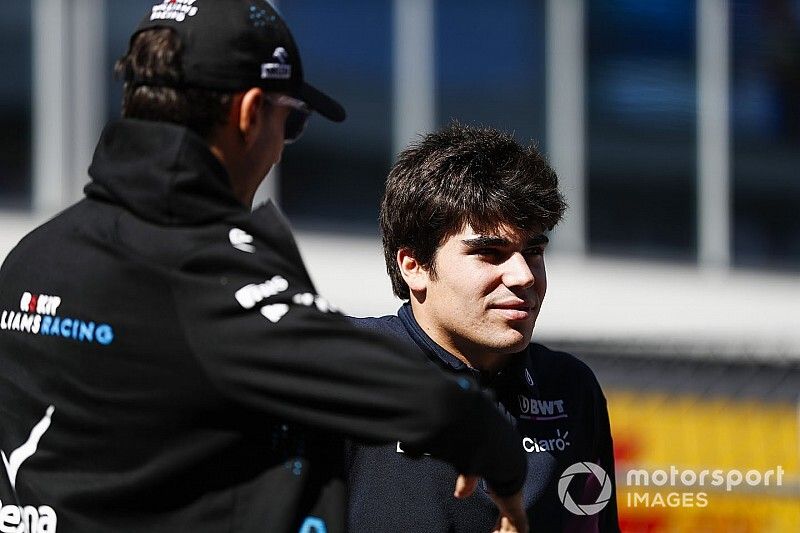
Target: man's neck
475	357
228	152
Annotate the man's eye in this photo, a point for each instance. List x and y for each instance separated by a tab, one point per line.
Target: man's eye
491	252
530	252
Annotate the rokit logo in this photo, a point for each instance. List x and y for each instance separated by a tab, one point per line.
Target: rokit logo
535	409
176	10
27	519
37	315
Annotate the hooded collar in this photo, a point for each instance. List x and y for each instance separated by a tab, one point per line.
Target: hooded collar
161	172
430	347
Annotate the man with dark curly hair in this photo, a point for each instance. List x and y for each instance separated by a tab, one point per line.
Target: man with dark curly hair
464	219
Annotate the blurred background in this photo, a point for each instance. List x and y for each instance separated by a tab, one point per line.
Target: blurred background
674	126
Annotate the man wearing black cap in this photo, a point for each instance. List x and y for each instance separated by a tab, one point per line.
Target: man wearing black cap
165	362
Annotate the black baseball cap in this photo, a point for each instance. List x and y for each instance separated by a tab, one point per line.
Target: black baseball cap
232	45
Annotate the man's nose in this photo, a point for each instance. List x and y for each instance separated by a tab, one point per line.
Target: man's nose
518	272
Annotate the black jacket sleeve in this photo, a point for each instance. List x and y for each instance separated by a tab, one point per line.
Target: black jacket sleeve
269	343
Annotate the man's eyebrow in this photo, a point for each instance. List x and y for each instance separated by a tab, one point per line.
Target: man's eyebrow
484	241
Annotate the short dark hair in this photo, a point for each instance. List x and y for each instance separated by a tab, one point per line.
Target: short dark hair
463	175
153	71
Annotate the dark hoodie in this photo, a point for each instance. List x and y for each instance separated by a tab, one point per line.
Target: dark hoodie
560	412
166	364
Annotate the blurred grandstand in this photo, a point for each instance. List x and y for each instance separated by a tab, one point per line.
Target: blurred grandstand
675	128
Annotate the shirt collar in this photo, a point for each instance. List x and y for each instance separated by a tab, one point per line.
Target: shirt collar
443	357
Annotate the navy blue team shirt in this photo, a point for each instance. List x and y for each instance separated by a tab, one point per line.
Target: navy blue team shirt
558	408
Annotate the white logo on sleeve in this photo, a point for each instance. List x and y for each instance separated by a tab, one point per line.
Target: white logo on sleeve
307	299
274	312
21	454
250	295
241	240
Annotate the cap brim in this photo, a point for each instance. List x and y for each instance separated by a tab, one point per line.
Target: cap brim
321	103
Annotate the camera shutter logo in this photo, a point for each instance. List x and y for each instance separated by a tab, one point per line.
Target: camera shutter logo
586	508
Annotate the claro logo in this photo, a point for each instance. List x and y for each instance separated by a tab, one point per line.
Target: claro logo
534	445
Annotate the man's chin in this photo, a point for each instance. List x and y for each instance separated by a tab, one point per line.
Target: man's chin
525	331
516	341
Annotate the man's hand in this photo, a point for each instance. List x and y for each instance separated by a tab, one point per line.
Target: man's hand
512	513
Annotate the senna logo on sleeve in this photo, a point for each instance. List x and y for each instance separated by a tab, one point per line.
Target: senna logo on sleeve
27	518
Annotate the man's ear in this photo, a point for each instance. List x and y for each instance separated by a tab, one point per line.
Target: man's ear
414	274
250	114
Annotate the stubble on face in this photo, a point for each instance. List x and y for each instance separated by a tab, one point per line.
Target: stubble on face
483	301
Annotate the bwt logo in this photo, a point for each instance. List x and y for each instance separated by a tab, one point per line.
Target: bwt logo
541	409
586	508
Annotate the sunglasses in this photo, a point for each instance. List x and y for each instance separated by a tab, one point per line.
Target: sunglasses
298	116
